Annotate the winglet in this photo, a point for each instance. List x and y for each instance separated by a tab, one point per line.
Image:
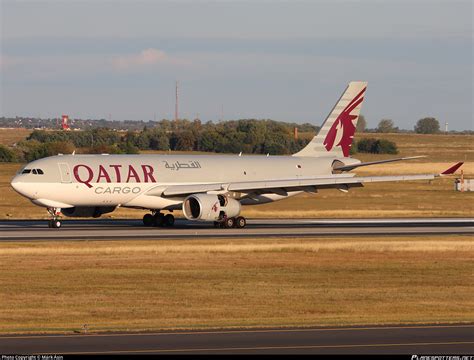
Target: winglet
452	169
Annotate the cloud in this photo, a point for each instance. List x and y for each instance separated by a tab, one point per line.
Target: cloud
146	58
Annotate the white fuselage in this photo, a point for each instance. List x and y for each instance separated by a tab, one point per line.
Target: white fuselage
138	180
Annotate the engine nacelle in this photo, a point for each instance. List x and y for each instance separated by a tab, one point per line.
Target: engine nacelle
207	207
87	211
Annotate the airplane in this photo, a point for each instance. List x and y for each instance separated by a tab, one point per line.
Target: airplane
209	188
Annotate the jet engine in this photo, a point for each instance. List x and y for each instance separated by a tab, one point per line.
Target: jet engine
87	211
208	207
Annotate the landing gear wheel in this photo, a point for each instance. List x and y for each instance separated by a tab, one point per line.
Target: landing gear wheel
229	223
158	219
148	220
169	220
240	222
55	224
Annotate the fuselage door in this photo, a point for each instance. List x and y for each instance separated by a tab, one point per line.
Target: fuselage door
65	172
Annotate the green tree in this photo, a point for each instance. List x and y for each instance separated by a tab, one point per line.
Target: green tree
208	140
376	146
386	126
159	140
33	149
384	146
103	149
6	155
184	140
58	147
127	147
427	125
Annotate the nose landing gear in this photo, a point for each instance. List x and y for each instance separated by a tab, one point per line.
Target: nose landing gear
54	222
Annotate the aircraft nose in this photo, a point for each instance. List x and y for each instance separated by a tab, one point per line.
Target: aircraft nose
19	186
15	184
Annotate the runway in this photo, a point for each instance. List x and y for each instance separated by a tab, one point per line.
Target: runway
106	229
427	339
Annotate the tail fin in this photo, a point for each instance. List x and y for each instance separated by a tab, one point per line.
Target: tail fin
337	132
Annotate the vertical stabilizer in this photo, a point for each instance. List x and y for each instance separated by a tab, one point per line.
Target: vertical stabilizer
337	132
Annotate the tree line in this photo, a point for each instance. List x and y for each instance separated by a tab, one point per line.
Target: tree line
428	125
248	136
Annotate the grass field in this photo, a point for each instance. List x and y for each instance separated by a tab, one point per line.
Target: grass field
150	285
405	199
134	285
12	136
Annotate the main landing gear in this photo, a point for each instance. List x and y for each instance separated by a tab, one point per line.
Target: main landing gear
158	219
227	223
54	221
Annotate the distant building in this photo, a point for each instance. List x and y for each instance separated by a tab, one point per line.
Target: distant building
464	184
64	123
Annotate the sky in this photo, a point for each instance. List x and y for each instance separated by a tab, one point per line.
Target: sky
284	60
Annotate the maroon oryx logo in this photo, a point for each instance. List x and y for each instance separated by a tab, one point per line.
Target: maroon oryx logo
345	124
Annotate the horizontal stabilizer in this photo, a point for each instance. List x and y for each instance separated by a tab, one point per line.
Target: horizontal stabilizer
452	169
353	166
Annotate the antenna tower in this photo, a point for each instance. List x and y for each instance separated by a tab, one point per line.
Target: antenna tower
176	103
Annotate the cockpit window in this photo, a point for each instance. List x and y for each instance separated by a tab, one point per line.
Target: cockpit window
34	171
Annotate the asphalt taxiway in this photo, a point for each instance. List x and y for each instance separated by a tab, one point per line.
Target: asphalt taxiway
106	229
421	339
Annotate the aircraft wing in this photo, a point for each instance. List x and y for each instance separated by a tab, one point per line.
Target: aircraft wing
343	181
306	184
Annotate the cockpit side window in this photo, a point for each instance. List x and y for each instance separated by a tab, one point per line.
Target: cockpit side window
33	171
